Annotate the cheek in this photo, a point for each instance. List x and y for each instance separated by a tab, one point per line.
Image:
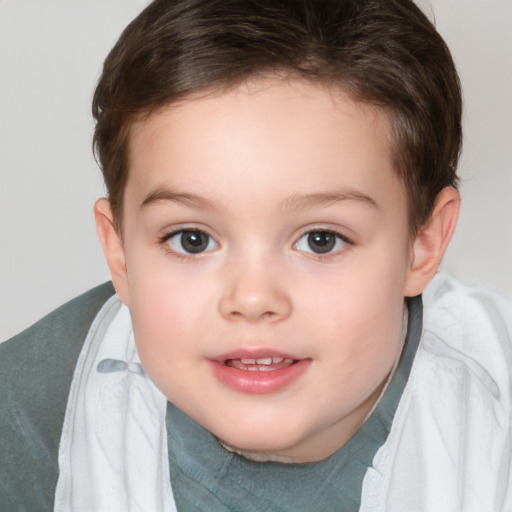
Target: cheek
169	320
358	309
363	288
164	309
166	333
173	313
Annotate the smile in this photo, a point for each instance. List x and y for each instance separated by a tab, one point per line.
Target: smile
258	373
264	364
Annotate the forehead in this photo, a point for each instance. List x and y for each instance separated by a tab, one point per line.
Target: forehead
265	132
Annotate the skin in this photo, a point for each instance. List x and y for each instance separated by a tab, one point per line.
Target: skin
256	169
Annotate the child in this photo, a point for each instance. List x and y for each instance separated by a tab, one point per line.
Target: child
281	190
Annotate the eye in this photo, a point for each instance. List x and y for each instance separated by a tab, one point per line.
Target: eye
321	242
190	241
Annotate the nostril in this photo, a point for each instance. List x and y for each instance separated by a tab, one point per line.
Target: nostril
253	315
254	300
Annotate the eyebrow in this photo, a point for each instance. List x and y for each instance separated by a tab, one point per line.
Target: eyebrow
175	196
306	201
292	204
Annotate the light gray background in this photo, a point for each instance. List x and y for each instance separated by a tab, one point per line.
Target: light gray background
50	57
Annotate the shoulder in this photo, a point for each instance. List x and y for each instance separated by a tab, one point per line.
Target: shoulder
448	298
36	369
449	445
460	395
49	348
471	327
73	315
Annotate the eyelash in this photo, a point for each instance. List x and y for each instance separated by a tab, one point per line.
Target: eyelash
328	255
164	238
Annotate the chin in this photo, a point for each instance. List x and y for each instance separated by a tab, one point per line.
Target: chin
261	447
263	451
259	456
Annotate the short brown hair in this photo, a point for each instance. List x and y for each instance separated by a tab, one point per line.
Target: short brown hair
383	52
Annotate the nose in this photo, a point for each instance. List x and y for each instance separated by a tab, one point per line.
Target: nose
255	293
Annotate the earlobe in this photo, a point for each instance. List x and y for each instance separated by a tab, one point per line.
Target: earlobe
112	247
431	242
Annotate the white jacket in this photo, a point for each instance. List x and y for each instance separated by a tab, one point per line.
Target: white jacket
450	448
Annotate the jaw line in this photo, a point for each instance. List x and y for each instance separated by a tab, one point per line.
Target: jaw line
257	456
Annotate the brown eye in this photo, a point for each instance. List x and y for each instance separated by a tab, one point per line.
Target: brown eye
191	242
320	242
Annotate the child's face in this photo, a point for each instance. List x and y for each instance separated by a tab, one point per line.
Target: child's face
267	222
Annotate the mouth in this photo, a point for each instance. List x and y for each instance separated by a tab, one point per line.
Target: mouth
258	373
262	364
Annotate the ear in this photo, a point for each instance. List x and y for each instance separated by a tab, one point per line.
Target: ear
431	242
112	247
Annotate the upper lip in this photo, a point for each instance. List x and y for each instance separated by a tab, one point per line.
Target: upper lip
259	353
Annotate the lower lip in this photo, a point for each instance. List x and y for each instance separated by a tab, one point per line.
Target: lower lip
258	382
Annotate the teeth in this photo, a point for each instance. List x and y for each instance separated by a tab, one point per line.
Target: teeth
262	368
265	360
263	364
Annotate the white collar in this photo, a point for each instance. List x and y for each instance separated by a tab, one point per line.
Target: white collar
113	449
